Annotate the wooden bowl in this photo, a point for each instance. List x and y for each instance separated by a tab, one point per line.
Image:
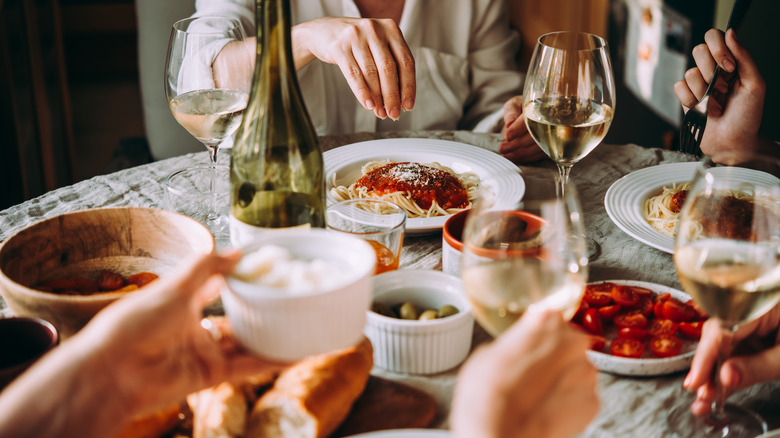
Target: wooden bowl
125	240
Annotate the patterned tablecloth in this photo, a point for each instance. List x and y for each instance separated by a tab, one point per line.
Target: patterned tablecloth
631	406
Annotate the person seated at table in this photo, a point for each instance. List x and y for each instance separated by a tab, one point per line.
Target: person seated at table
148	351
734	115
759	363
458	70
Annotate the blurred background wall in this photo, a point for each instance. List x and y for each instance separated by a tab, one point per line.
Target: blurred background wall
76	76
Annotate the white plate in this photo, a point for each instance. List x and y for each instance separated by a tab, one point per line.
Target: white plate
405	433
625	198
645	366
342	166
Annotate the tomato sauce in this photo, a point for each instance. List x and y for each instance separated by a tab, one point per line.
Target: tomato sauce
424	184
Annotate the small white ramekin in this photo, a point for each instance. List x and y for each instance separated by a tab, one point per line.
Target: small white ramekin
286	327
420	347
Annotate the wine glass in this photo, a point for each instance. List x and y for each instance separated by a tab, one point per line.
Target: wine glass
569	96
528	255
208	105
727	254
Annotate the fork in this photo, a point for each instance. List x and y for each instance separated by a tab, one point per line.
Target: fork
695	120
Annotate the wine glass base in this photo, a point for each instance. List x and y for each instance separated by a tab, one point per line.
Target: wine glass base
739	422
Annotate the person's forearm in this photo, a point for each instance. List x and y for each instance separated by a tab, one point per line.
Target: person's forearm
67	393
302	56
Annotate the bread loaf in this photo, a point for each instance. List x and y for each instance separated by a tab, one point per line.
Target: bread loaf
311	399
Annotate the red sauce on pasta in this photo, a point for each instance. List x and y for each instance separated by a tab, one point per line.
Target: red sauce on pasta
424	183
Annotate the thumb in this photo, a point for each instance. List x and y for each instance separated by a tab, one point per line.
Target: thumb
741	372
749	74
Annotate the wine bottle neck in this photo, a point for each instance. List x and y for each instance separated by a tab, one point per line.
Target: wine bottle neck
274	36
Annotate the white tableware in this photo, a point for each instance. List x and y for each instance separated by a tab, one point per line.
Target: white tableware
342	167
405	433
285	326
420	347
625	199
646	365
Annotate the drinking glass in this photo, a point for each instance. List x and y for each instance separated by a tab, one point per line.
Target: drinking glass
528	255
569	96
380	223
727	254
208	110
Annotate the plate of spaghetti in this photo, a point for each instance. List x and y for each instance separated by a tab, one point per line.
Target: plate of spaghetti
430	179
645	203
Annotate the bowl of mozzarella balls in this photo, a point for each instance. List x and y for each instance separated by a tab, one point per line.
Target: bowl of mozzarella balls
300	293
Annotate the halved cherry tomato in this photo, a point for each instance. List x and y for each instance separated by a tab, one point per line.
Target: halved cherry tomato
691	330
580	311
637	333
701	315
644	306
597	342
625	296
592	322
662	326
665	345
631	320
627	347
607	313
658	309
642	291
599	294
678	311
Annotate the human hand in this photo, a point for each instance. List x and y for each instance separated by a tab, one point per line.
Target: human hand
518	145
153	343
738	371
234	65
521	383
734	115
372	55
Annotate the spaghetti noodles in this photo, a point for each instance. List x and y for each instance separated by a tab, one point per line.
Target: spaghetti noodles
423	190
662	211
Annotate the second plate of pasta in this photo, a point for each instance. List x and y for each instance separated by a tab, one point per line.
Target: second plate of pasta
625	200
343	167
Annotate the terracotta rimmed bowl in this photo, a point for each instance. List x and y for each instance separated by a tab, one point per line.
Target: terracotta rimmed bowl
125	240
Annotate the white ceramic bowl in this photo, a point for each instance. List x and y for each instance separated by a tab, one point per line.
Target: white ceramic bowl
420	347
282	326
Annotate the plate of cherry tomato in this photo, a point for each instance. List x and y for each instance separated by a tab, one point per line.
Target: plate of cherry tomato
639	328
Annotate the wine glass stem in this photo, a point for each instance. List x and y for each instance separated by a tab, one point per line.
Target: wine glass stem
564	171
718	417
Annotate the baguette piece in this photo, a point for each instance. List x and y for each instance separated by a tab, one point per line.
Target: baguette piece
311	399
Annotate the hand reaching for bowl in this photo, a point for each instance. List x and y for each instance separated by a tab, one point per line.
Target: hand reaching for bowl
533	380
142	353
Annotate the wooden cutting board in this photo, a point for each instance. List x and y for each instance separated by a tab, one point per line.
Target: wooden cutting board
386	404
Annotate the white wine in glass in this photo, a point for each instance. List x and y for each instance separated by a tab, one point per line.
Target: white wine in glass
569	96
528	255
207	105
727	254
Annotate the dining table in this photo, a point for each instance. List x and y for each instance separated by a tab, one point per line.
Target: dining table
631	405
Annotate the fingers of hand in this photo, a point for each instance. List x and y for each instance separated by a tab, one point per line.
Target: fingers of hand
718	51
681	90
406	67
705	357
696	82
743	371
749	74
704	61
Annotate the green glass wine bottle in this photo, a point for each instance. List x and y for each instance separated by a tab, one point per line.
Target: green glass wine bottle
276	168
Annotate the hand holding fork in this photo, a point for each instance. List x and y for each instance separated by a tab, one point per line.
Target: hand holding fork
735	111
